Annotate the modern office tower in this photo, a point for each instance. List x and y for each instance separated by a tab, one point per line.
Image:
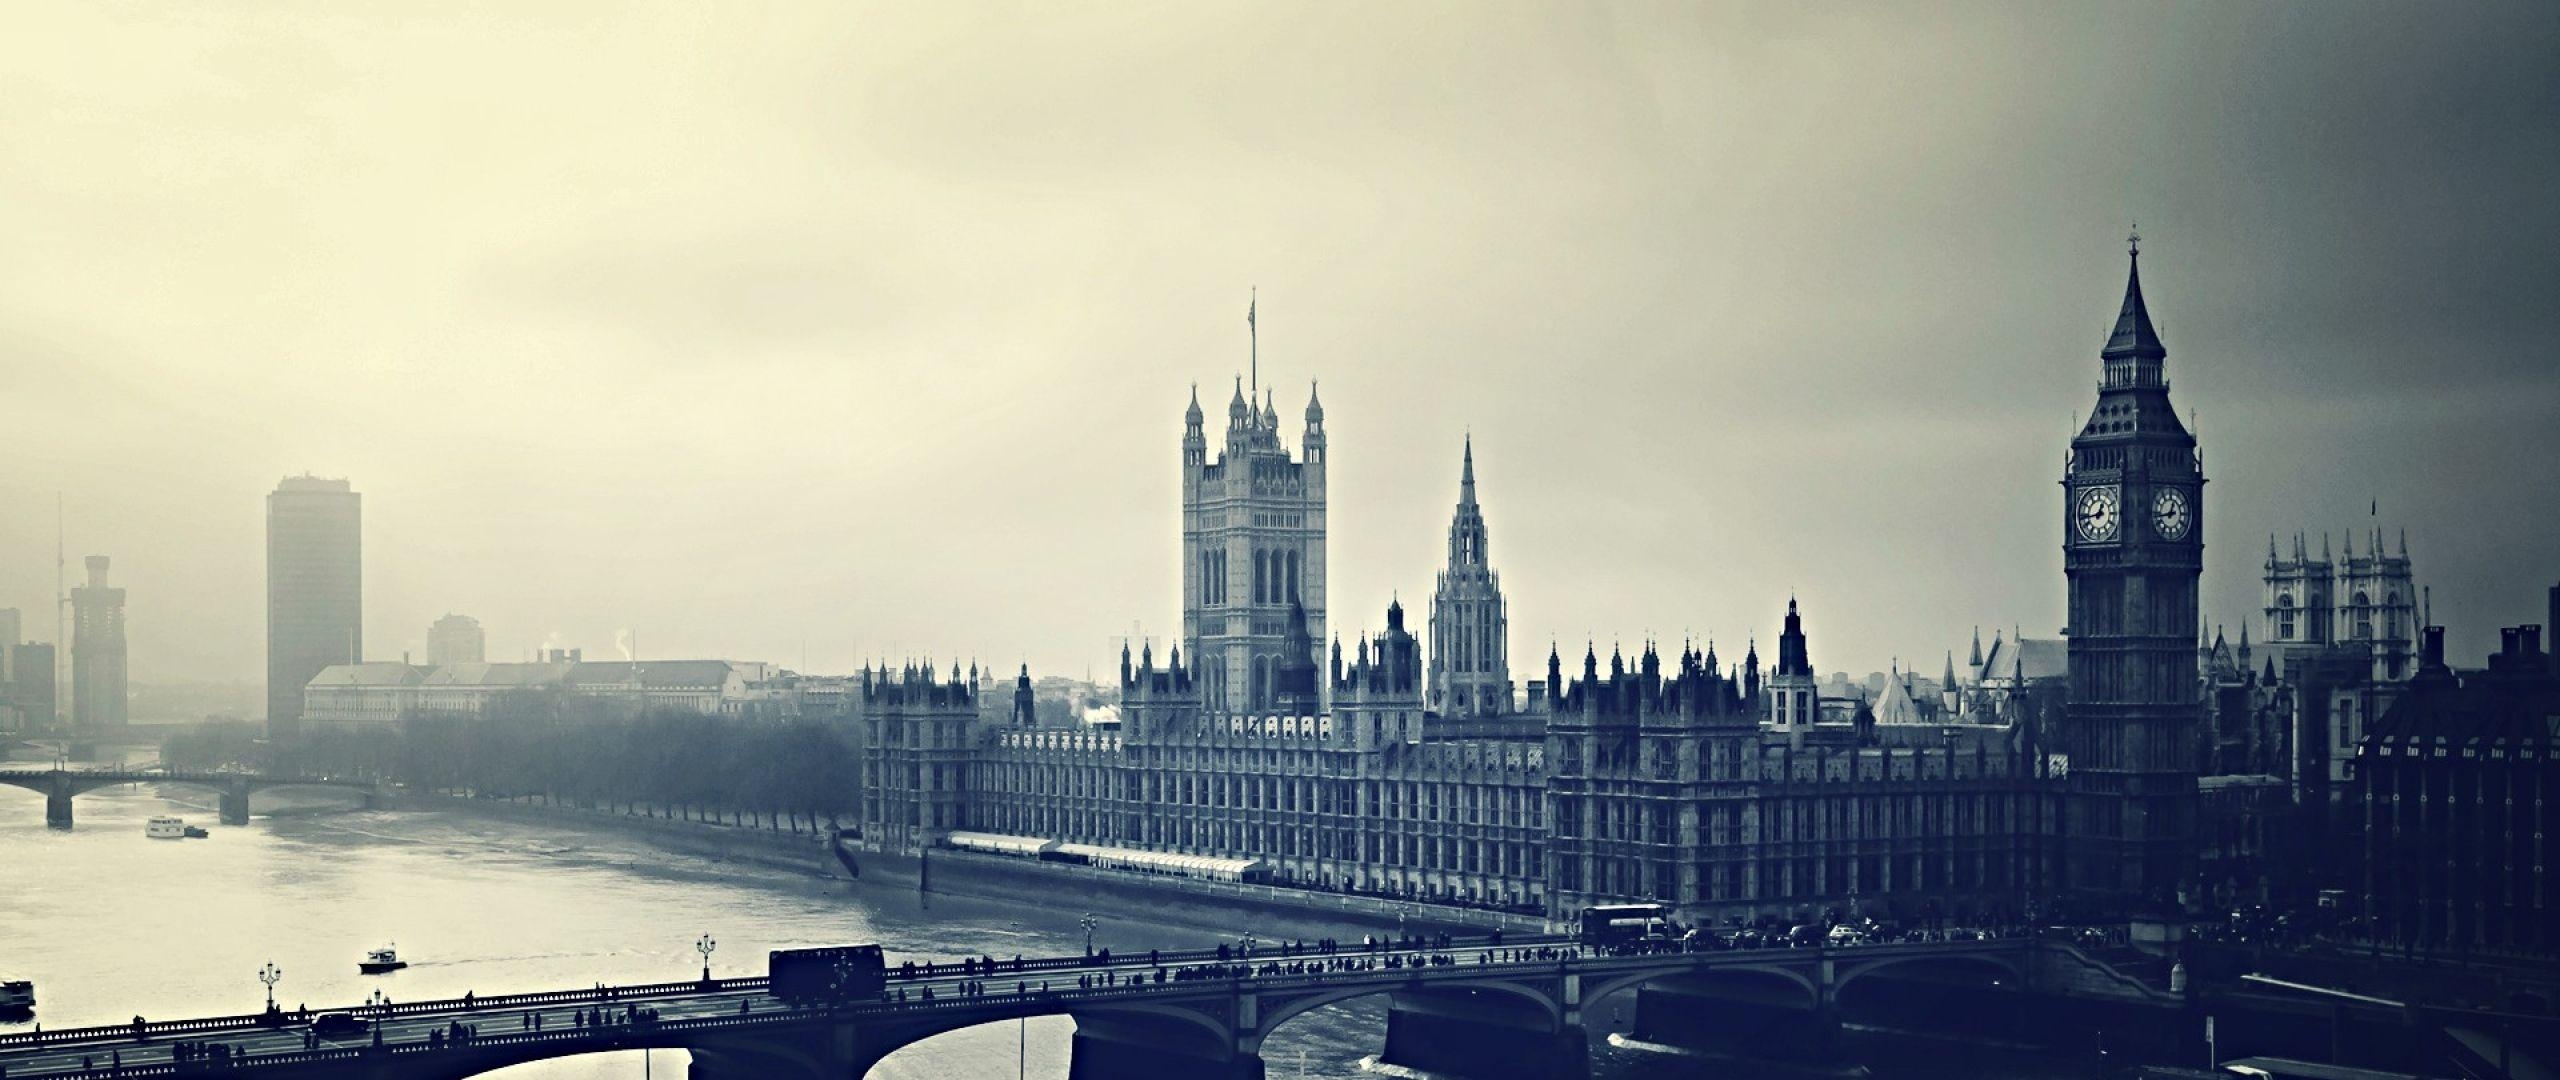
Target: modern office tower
315	587
456	639
10	631
97	651
31	685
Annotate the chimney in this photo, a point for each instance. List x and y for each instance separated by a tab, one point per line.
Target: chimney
2529	640
2431	652
2508	639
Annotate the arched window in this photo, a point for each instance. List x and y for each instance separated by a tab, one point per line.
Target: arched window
2284	618
1293	577
2363	614
1261	571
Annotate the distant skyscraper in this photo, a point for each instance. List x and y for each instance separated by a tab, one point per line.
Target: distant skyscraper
31	684
315	587
456	639
10	629
1470	653
97	651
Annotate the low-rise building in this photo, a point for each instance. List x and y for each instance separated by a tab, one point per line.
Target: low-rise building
2457	791
382	691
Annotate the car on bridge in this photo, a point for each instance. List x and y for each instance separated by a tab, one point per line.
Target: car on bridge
337	1024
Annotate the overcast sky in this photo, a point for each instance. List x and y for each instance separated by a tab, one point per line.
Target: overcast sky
811	333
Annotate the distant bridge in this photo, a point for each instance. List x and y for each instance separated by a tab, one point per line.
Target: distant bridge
1476	1009
58	785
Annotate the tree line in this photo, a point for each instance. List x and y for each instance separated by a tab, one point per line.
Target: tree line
557	749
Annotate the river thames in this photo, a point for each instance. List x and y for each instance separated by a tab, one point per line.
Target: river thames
110	924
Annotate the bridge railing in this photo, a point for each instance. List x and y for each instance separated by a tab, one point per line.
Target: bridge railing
476	1003
1263	951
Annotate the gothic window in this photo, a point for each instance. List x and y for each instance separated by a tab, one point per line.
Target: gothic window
1261	569
1293	577
2363	615
2284	617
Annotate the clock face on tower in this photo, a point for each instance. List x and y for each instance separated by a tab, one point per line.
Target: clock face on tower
2093	514
2169	514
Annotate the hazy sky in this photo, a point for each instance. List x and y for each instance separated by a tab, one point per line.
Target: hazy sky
833	331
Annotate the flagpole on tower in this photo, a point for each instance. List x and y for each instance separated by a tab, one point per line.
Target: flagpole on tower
1253	337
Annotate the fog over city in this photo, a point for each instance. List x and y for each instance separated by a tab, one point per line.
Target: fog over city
819	333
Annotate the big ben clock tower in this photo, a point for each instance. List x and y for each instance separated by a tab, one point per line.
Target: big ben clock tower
2132	550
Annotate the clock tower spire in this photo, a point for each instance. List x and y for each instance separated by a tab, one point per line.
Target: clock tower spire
2133	551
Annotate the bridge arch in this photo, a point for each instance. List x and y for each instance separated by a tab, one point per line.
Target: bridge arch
1994	965
724	1053
1053	1032
1597	992
1280	1010
1173	1027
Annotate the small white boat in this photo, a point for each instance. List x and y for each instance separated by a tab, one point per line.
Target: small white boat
386	958
166	828
17	997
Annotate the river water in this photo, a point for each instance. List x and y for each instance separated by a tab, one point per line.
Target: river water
110	924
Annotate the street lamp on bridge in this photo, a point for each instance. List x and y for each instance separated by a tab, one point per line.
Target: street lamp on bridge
270	975
705	946
1088	933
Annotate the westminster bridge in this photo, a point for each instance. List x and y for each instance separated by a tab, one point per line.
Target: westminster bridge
1480	1008
59	785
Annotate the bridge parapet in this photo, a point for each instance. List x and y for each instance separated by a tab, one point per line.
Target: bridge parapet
1211	1017
58	786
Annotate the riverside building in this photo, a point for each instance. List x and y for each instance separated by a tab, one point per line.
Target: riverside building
1731	793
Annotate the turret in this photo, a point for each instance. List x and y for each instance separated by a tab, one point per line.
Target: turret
1195	440
1025	709
1239	420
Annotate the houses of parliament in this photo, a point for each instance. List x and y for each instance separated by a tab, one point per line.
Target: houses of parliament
1728	787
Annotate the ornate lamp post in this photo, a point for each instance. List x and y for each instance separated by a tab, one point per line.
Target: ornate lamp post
1088	923
705	946
270	975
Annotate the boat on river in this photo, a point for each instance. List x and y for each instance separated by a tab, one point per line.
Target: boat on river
377	961
17	998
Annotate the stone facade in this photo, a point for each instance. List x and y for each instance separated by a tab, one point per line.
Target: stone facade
2458	795
1634	785
1253	529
